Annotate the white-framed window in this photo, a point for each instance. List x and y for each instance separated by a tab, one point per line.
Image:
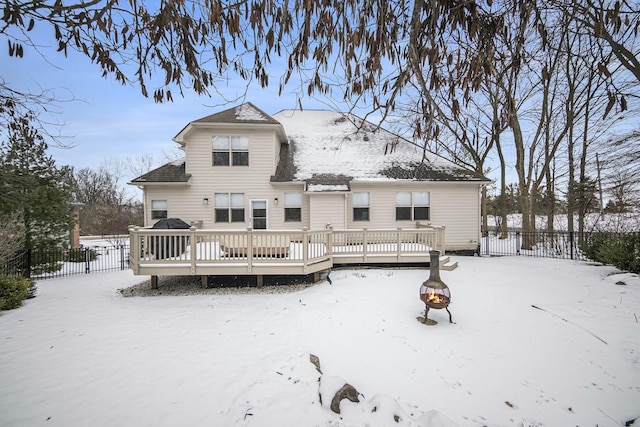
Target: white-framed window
292	207
229	207
412	206
159	209
230	150
361	206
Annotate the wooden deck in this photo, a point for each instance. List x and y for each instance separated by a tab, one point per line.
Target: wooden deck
274	252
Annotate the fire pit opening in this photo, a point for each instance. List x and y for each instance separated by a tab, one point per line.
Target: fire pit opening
434	292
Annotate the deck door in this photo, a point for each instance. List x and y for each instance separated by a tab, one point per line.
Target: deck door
259	214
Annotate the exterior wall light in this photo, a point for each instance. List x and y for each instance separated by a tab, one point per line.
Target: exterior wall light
205	201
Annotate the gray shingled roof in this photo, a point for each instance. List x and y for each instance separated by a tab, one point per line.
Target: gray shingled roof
171	172
242	114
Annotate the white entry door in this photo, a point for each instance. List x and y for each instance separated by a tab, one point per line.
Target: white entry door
259	214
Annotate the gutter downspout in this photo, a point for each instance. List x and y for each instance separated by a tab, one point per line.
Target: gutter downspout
346	223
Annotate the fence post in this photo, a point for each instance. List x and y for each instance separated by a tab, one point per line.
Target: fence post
121	257
571	243
87	260
486	242
29	259
517	243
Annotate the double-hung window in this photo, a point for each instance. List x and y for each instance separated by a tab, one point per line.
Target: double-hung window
158	209
361	206
230	150
229	207
412	206
292	207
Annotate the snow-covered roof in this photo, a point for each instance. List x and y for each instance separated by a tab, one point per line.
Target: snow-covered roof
331	148
250	112
245	113
327	150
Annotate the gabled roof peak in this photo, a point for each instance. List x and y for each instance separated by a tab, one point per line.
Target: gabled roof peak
245	113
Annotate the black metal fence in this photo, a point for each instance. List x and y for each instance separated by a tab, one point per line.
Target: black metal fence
544	244
48	263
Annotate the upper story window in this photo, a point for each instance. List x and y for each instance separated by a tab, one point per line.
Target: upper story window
229	207
412	206
292	207
230	150
361	206
158	209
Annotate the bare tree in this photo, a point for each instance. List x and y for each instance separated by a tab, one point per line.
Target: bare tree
107	208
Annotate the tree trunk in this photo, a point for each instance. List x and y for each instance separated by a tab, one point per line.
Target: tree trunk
502	203
551	201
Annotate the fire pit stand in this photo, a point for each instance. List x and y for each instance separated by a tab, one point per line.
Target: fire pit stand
434	292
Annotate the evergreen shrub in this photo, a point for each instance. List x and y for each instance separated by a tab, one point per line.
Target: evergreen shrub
621	251
13	290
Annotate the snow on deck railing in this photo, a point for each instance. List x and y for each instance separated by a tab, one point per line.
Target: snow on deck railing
196	248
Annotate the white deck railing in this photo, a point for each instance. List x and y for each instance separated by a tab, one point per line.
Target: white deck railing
218	252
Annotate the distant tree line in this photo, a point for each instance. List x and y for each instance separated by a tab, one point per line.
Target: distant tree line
107	209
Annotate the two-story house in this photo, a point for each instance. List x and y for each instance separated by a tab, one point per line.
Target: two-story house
243	168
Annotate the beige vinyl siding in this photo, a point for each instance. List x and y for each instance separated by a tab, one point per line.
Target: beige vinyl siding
327	209
454	205
186	202
181	203
457	206
276	213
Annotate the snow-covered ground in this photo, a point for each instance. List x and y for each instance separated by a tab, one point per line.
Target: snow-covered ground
81	354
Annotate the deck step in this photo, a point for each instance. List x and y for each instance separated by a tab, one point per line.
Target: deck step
446	263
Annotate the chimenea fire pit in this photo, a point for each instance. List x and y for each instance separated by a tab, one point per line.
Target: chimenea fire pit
434	293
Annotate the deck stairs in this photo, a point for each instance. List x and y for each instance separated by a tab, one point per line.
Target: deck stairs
447	264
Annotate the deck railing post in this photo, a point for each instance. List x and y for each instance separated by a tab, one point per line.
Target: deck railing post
305	248
364	245
249	249
440	238
194	248
134	248
330	243
399	244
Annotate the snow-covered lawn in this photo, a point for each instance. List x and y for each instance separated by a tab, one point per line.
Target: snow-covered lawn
81	354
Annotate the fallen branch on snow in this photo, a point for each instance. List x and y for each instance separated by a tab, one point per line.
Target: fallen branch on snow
574	324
